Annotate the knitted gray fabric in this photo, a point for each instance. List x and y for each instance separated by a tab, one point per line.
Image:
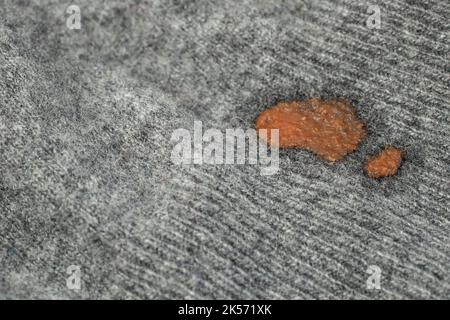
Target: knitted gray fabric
86	177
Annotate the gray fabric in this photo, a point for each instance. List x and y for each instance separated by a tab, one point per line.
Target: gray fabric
85	171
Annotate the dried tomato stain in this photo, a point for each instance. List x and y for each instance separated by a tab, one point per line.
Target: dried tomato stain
329	128
385	164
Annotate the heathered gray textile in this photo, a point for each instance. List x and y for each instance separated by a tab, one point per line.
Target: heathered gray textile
86	177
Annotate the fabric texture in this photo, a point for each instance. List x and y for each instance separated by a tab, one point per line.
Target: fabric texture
86	177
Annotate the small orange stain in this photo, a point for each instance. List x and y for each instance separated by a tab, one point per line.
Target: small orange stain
385	164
